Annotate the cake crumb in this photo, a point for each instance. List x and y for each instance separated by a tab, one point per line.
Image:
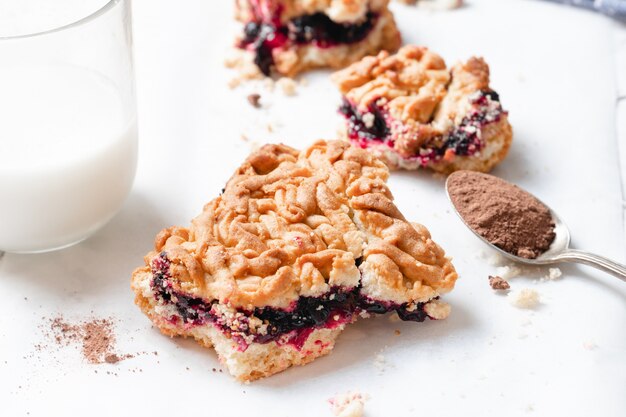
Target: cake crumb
350	404
437	309
497	283
246	70
254	100
492	258
588	345
397	332
380	363
553	273
525	298
435	4
508	271
287	86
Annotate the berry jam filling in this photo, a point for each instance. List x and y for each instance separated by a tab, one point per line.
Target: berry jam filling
464	140
316	29
267	324
363	129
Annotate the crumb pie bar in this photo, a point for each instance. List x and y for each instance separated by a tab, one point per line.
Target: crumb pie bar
299	245
290	36
413	111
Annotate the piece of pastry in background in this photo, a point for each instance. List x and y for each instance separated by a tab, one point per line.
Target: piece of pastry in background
299	245
435	4
291	36
413	111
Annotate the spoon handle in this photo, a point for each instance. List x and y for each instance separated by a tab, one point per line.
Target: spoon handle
596	261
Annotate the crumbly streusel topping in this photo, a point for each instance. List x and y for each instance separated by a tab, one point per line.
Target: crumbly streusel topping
421	95
293	224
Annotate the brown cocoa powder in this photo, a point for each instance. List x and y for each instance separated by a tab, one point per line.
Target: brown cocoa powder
498	283
504	214
95	336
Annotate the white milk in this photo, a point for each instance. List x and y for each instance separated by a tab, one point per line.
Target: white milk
67	155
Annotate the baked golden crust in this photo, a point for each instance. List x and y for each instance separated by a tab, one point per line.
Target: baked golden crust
292	224
341	11
423	101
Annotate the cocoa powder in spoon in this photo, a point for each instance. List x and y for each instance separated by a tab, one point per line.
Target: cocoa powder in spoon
501	212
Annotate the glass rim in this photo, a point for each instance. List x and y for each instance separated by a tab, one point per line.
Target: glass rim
83	20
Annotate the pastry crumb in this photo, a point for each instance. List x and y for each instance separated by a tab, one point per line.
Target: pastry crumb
435	4
245	69
350	404
497	283
553	273
508	271
287	86
397	332
437	309
380	362
589	345
492	258
524	298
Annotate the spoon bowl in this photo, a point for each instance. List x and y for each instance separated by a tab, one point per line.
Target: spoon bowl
559	250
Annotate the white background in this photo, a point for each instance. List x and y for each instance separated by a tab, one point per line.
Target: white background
555	70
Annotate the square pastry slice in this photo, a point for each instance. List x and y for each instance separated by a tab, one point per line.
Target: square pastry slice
412	111
299	245
290	36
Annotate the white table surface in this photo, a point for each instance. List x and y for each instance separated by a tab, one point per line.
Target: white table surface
555	69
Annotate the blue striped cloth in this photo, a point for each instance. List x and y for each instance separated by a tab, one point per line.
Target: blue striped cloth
614	8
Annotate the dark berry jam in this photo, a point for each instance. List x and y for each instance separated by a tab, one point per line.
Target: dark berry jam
463	140
359	130
190	309
338	306
323	32
316	29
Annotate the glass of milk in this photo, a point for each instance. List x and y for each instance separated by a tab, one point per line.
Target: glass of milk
68	128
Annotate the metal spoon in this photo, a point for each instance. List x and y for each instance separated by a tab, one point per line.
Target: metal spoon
559	249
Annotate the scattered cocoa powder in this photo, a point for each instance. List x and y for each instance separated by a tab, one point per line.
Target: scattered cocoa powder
112	358
497	283
501	212
95	336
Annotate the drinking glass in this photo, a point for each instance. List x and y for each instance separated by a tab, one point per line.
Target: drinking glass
68	127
